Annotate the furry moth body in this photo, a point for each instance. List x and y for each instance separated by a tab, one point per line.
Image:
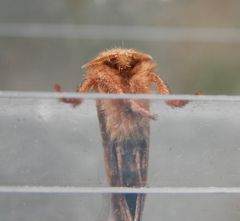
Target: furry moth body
124	124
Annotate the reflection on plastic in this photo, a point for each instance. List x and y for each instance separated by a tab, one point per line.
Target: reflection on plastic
46	143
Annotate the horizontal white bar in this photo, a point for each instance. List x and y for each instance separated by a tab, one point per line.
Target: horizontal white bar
92	96
105	32
99	190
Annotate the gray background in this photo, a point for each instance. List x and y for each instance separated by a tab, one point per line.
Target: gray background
35	60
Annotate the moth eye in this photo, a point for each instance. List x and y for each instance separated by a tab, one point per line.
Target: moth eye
134	63
113	60
113	63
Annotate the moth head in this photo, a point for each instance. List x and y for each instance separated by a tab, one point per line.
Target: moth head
119	59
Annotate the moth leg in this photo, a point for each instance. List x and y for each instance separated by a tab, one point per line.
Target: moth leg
163	89
161	85
86	86
181	103
75	101
177	103
135	107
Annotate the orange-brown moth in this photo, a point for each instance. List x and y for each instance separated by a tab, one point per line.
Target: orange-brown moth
124	124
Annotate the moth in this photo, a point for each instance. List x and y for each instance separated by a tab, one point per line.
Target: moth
124	124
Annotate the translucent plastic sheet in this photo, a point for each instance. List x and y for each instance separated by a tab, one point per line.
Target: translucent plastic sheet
48	147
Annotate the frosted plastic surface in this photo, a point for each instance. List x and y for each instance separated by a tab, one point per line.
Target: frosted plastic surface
48	143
